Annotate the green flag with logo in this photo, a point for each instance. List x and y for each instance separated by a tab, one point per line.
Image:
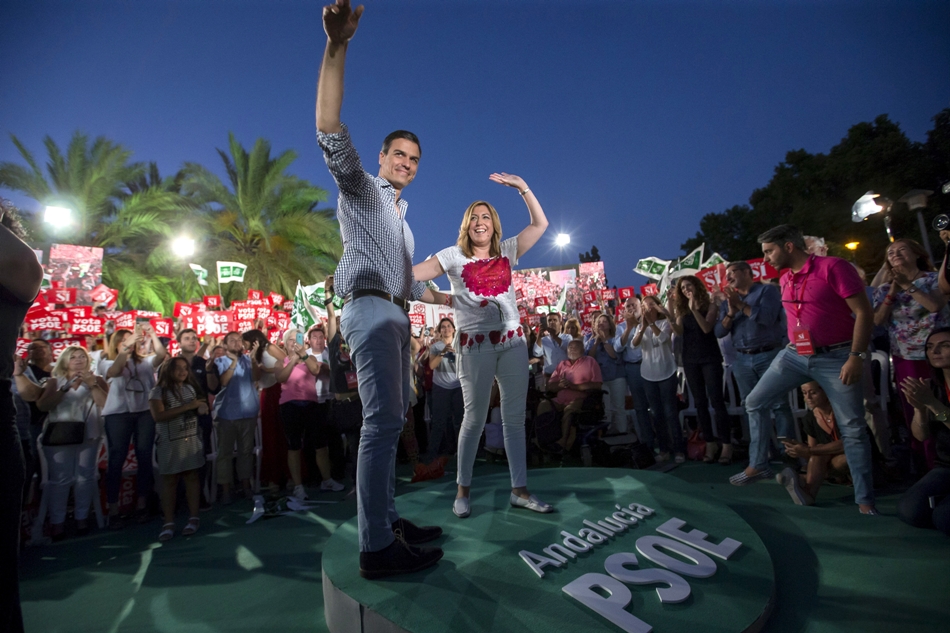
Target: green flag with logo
201	273
689	265
652	267
231	271
714	260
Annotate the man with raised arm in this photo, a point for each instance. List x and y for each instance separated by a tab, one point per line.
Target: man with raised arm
374	277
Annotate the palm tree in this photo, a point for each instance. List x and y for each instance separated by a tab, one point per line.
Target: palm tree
118	209
265	218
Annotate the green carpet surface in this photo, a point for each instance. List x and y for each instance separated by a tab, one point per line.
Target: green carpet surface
835	570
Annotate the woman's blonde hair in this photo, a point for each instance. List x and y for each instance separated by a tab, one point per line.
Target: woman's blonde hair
572	322
465	243
61	368
612	327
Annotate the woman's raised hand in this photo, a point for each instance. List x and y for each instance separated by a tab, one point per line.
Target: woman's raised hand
509	180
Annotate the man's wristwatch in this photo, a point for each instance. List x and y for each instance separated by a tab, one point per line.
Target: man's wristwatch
943	416
861	355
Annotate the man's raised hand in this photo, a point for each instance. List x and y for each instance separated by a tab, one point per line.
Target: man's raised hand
340	21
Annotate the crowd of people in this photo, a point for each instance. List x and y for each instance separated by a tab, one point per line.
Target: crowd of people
326	406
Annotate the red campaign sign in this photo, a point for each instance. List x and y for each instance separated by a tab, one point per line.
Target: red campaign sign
275	336
263	313
184	309
59	344
254	294
271	321
87	325
257	303
61	295
590	297
761	270
287	306
21	346
585	318
534	320
524	313
40	302
46	322
714	277
218	322
243	313
618	313
57	284
64	315
541	301
626	293
104	295
649	290
162	327
194	322
112	315
174	349
79	312
608	294
276	298
147	314
519	294
212	301
125	320
242	325
283	320
417	320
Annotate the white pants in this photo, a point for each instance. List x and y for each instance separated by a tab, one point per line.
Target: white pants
477	371
614	402
71	466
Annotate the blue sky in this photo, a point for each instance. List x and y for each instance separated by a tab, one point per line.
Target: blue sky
630	120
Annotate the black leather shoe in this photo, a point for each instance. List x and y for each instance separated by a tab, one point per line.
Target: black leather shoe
398	558
415	534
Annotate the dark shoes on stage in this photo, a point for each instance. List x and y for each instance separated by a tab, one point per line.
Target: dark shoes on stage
401	557
414	534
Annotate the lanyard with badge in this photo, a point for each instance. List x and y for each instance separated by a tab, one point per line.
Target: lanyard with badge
801	335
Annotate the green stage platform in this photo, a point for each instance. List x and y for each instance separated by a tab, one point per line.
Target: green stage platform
834	570
482	584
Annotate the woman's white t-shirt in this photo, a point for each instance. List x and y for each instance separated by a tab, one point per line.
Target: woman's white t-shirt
483	297
128	392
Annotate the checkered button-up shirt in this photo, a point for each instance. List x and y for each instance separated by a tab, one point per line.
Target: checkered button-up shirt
377	243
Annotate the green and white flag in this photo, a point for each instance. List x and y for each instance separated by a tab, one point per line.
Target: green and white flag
714	260
562	301
308	305
231	271
652	267
201	273
689	265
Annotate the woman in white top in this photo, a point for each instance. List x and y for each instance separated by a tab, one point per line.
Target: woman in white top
491	340
131	375
73	395
658	370
446	399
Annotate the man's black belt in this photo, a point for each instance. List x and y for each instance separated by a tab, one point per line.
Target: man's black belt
824	349
356	294
756	350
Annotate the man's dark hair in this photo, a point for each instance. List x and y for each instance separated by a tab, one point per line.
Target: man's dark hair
404	134
185	331
781	235
740	265
10	218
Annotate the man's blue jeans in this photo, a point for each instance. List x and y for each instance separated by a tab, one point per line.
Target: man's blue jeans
120	429
788	371
645	430
378	334
748	370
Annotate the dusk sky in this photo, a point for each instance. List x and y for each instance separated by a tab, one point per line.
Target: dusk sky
629	120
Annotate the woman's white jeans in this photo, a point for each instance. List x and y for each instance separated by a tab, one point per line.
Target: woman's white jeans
71	466
477	370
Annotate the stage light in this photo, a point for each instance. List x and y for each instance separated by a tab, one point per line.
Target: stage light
58	216
183	247
562	240
851	246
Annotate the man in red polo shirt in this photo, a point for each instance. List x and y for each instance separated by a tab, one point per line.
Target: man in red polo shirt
829	325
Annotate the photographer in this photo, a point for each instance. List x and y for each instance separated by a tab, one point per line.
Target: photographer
446	393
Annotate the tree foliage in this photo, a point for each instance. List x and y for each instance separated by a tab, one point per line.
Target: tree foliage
816	191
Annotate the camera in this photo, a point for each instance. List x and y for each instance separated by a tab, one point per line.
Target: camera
941	222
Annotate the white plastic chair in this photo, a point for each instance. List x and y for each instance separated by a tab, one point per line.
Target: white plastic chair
36	534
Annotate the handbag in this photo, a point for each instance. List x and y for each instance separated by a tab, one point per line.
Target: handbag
66	433
696	445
